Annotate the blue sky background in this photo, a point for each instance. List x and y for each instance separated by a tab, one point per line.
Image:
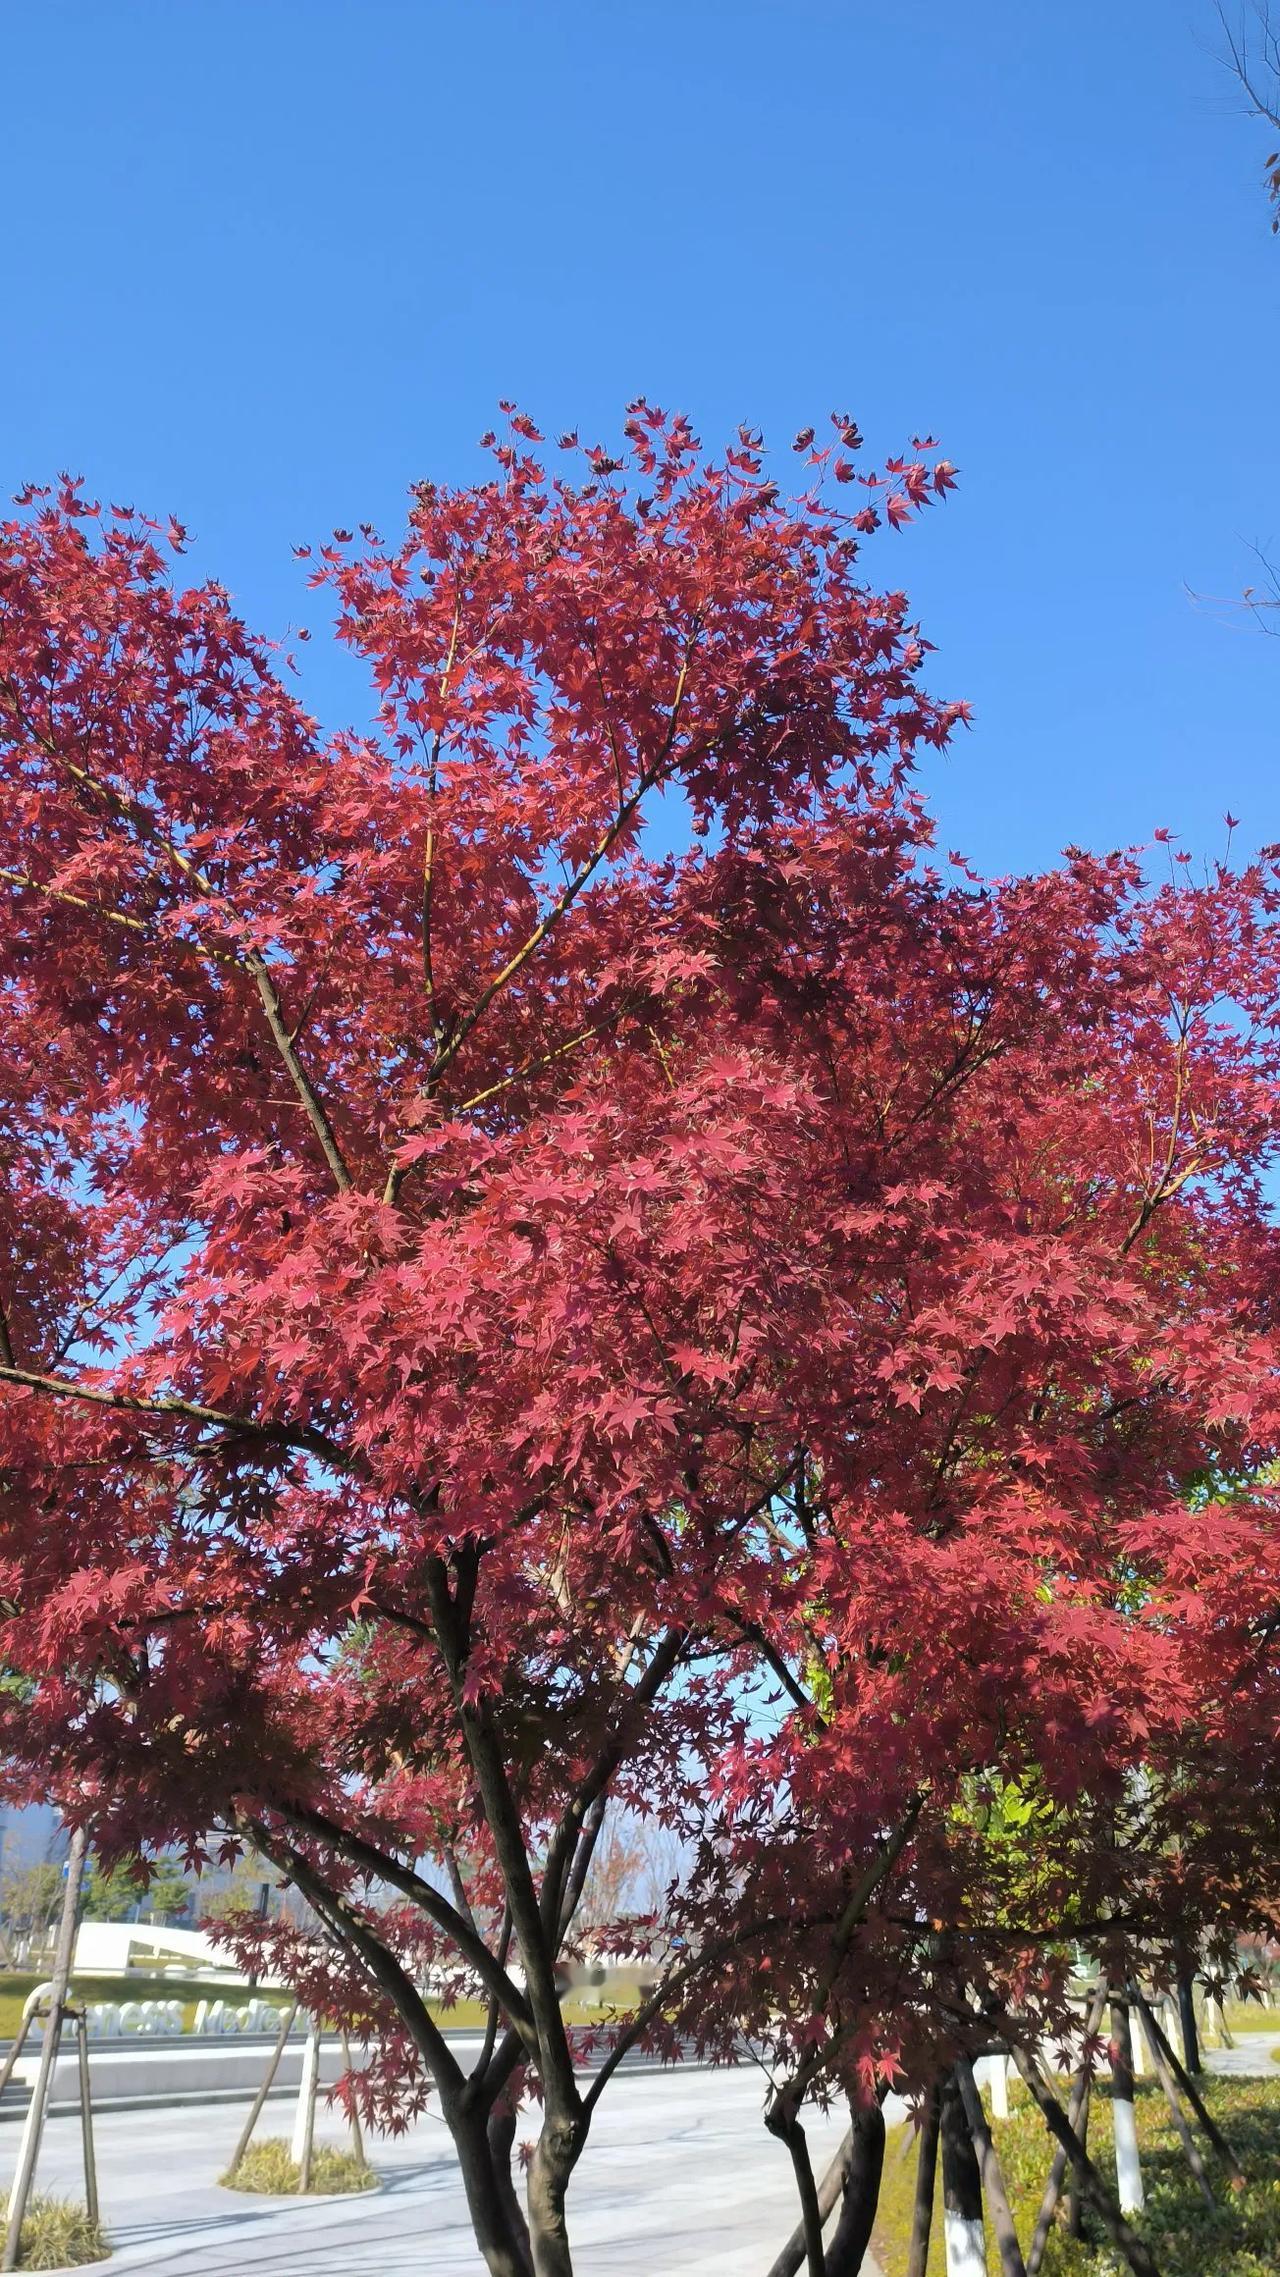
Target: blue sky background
264	262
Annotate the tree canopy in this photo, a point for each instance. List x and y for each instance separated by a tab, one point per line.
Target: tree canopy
504	1323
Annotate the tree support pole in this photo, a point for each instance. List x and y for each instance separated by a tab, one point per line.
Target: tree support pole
1187	2017
1058	2168
1156	2040
33	2125
357	2136
1092	2186
1190	2147
255	2113
86	2117
304	2128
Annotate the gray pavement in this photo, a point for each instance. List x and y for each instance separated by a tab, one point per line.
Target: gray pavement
679	2173
1250	2058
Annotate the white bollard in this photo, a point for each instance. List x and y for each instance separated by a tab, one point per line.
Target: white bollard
998	2074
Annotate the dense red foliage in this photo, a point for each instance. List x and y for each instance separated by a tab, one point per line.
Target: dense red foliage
498	1323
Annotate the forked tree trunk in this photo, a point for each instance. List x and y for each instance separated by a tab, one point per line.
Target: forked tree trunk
501	2240
961	2189
1129	2188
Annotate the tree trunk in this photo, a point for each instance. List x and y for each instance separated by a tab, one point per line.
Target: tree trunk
501	2241
833	2181
553	2163
1075	2202
1187	2019
502	2138
961	2189
861	2195
1129	2188
926	2183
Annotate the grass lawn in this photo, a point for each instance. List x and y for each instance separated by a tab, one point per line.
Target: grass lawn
1240	2237
1251	2016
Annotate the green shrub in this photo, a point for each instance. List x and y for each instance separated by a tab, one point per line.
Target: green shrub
1237	2237
57	2234
269	2168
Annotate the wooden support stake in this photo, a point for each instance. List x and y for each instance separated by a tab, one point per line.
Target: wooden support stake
86	2117
1058	2169
246	2133
307	2108
1190	2147
1156	2039
961	2187
33	2125
356	2135
1092	2186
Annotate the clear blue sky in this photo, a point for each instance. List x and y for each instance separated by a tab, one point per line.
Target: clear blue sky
265	262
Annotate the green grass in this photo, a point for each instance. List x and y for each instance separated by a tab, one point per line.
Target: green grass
268	2169
1238	2237
1251	2016
57	2234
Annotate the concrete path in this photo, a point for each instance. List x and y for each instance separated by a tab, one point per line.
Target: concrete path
679	2174
1250	2058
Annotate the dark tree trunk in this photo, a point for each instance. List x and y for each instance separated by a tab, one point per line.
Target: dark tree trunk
993	2189
861	2195
553	2163
833	2181
926	2184
502	2242
502	2138
961	2188
1187	2019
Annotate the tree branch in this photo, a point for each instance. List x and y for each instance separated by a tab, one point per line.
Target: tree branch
246	1426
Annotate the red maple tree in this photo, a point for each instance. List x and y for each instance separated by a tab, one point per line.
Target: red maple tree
500	1326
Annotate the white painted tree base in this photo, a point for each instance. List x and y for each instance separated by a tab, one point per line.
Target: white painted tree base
1129	2188
966	2246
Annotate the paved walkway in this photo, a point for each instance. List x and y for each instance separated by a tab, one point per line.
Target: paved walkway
679	2174
1249	2058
